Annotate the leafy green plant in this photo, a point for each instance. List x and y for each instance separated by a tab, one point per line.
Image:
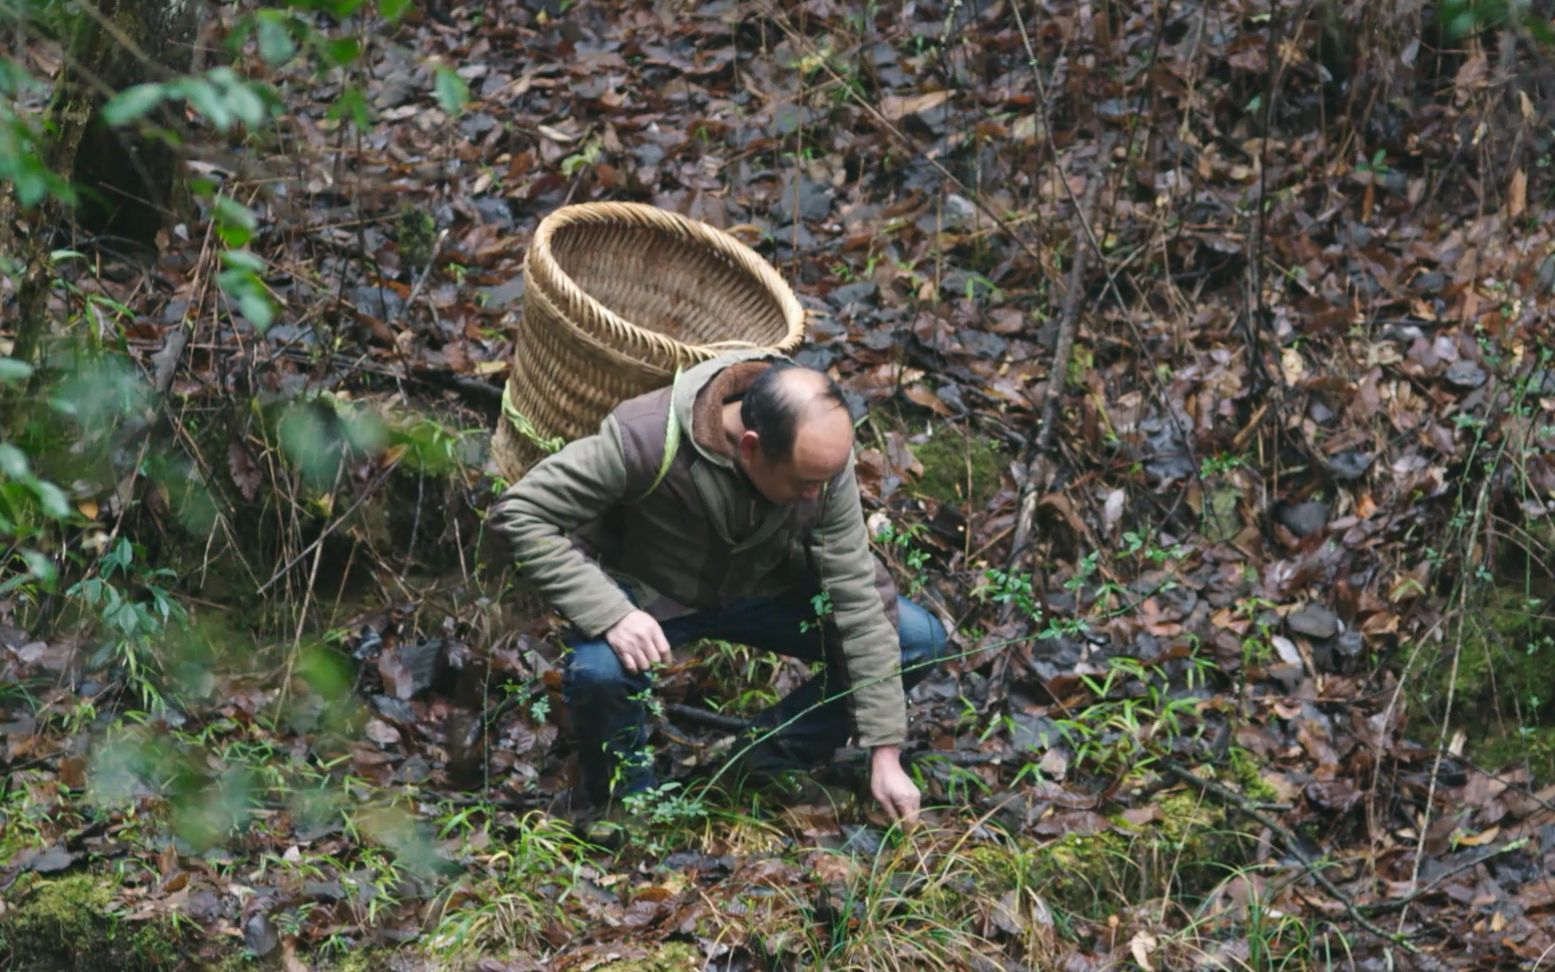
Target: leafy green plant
821	608
1460	18
902	541
135	621
586	156
748	673
1137	710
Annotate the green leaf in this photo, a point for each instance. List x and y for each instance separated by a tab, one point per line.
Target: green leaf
233	235
351	102
207	100
1461	24
246	105
39	568
243	260
243	286
13	462
341	51
52	499
14	370
133	102
14	78
275	40
256	307
452	93
393	10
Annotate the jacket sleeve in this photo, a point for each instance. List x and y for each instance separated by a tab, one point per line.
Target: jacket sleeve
870	644
540	512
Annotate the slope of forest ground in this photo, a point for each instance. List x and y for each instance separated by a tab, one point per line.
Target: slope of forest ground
1264	684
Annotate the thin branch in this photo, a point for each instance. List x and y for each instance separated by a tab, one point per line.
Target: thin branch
286	568
1397	904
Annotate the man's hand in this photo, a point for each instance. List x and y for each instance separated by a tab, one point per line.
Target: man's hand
896	793
639	642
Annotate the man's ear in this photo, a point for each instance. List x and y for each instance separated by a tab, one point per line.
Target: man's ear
750	444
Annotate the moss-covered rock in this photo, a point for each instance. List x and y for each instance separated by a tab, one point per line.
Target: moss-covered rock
1247	775
1197	846
953	461
70	925
416	233
363	960
1086	872
668	957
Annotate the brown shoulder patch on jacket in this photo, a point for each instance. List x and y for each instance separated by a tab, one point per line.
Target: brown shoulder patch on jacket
642	422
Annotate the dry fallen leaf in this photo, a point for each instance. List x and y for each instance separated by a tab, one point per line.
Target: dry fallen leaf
1141	946
896	107
1517	194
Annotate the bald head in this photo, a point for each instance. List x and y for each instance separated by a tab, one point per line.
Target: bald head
797	433
783	398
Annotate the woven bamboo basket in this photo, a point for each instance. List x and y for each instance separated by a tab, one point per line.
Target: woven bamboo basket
617	297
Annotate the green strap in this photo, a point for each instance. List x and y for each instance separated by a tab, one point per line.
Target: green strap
524	427
671	443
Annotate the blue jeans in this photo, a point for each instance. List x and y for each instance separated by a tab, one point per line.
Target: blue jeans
607	702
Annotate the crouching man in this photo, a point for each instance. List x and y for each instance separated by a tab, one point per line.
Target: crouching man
719	508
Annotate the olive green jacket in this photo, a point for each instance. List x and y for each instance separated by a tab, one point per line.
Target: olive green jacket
603	517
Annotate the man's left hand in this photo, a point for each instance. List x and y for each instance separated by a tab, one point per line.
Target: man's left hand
891	787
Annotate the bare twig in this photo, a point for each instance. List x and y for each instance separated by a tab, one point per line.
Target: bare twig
371	488
437	246
1037	472
1395	904
1036	466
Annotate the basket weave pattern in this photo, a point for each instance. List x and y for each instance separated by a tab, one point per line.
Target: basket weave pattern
617	297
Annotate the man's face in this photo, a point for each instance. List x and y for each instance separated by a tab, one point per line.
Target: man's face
822	445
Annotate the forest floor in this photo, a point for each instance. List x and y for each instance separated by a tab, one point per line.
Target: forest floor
1269	688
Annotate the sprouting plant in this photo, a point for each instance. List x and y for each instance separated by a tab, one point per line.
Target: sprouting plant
133	620
821	606
979	285
1135	542
1218	465
587	155
1010	587
1377	165
903	541
1083	571
647	697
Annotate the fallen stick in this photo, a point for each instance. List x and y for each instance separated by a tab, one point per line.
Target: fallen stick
715	720
1036	466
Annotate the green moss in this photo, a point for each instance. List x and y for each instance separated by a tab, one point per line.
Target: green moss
951	459
1502	695
1088	873
365	960
1535	748
1192	825
668	957
1248	776
417	231
69	925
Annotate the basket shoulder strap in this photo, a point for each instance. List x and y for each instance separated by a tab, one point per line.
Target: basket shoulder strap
671	444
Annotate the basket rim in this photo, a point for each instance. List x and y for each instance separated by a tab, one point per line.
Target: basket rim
652	217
